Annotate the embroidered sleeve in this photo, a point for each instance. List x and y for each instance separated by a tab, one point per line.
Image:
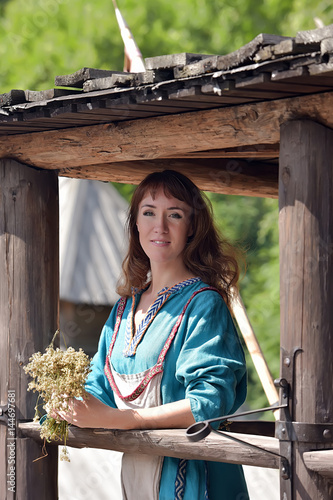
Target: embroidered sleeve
211	364
97	383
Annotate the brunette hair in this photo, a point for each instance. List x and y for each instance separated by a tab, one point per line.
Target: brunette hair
206	255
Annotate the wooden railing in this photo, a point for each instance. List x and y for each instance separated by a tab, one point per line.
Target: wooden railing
174	443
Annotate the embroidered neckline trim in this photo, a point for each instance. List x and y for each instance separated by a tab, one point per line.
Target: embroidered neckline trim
133	338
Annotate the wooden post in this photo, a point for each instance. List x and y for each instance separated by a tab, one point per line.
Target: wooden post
306	263
29	273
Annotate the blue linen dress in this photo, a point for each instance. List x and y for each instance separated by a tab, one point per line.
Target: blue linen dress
205	363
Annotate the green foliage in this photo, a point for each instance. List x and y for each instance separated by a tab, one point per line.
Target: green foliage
252	223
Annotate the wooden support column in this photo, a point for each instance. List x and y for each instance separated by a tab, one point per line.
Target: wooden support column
306	263
29	287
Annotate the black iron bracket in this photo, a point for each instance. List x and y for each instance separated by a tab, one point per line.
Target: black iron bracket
4	414
303	432
283	427
200	430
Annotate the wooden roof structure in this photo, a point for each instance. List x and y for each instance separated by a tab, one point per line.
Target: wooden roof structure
268	81
255	122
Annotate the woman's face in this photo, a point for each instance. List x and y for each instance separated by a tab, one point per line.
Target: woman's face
164	225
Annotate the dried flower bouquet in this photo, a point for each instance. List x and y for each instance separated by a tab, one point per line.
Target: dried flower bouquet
57	376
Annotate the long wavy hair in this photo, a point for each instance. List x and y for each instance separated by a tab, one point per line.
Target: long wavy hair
206	255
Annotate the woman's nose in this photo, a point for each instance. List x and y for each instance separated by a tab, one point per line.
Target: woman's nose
161	224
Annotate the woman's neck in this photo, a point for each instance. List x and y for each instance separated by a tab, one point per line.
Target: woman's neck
167	278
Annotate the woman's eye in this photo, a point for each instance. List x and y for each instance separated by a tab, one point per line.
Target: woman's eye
176	215
148	213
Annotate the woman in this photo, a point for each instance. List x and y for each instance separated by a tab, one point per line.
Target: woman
169	354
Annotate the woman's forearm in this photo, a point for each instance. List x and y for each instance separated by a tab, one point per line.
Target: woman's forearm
93	413
168	416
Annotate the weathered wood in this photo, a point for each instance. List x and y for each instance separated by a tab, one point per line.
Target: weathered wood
326	46
255	152
121	80
230	176
301	79
46	95
115	80
12	97
28	315
306	267
316	35
321	462
158	137
76	79
237	58
172	60
172	443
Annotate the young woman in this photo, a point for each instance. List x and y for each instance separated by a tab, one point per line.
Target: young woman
169	354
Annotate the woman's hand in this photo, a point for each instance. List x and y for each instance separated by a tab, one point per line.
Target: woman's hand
88	412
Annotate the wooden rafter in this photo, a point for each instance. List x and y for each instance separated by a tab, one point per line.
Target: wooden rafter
229	176
158	137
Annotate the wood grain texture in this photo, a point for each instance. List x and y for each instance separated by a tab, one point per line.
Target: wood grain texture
229	176
158	137
306	268
172	443
28	309
320	461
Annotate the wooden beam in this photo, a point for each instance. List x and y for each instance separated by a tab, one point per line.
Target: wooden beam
320	461
231	176
172	443
28	317
171	135
306	268
253	152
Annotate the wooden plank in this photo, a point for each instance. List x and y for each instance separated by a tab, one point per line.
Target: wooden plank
172	443
326	46
172	60
228	88
79	77
28	314
12	97
300	77
196	68
320	461
262	83
46	95
157	137
237	58
121	80
229	176
225	97
317	35
255	152
284	48
115	80
324	71
306	265
246	53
